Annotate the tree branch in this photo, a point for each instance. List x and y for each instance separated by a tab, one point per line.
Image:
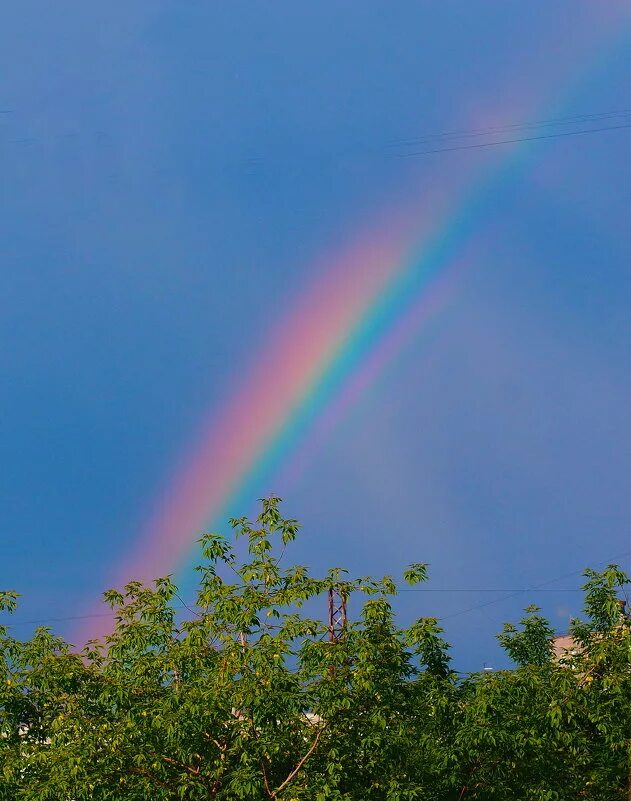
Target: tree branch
292	775
268	789
151	777
194	771
221	748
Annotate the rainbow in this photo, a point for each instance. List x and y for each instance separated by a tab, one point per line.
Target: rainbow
369	298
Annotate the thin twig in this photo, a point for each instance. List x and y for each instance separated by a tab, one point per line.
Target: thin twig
292	775
178	764
268	789
151	777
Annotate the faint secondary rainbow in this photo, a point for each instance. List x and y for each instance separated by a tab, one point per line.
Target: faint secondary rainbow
369	298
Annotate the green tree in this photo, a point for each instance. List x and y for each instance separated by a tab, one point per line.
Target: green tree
242	695
553	729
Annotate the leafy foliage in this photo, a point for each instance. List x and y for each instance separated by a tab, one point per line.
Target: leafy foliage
243	696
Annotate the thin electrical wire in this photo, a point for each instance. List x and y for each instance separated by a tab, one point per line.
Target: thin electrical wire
478	145
184	605
526	125
536	587
575	120
541	587
485	589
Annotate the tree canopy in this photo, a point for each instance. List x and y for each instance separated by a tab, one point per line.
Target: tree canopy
245	695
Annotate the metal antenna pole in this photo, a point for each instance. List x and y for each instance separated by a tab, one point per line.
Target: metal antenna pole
337	614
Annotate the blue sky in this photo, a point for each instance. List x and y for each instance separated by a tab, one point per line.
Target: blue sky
170	175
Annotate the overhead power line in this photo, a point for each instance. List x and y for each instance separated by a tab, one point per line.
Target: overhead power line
534	588
491	133
512	592
486	589
494	143
580	119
